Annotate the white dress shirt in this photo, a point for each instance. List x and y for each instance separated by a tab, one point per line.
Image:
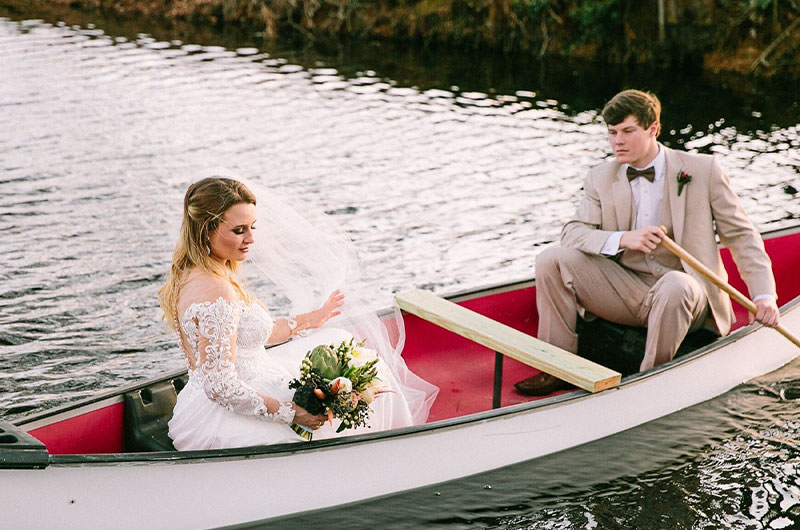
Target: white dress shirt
647	197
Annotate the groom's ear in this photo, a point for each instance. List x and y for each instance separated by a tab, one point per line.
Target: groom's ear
653	129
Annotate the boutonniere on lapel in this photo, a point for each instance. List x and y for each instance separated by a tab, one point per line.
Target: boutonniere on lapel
683	179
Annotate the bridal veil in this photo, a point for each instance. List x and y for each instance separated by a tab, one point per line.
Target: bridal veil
299	258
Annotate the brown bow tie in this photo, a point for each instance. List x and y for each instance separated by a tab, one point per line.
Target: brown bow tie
649	173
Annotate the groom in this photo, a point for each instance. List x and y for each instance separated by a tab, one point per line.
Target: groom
610	263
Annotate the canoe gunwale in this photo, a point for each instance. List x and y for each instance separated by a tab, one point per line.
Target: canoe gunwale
102	399
280	450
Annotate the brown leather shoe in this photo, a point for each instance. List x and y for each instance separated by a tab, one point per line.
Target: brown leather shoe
540	385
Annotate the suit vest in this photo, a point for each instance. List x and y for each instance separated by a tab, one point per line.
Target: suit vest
660	261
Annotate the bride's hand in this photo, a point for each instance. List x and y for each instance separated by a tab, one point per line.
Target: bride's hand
306	419
328	310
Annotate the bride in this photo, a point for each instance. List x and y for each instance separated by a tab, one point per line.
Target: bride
238	391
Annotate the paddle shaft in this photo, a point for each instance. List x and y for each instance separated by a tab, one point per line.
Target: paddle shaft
748	304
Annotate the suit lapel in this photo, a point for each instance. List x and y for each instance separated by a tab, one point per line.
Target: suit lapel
672	168
623	200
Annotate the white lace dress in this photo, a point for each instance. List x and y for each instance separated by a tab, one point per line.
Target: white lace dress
220	406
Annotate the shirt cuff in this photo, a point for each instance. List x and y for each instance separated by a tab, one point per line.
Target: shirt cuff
758	297
611	246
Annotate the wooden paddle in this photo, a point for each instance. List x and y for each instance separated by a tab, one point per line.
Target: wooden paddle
676	249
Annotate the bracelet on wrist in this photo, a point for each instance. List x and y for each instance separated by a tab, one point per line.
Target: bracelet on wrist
294	330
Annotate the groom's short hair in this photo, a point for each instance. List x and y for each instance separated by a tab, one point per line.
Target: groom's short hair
643	106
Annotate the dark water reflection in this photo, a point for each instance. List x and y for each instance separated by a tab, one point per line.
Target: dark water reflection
449	172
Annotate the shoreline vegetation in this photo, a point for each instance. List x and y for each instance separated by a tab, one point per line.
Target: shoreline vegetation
752	37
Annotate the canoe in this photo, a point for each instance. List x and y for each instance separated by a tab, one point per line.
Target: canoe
106	460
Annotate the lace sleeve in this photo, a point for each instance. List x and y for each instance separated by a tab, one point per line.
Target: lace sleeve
217	324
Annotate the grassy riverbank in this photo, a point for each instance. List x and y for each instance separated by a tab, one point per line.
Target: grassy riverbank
759	37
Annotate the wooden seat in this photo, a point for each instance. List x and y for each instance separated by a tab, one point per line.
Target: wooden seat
508	341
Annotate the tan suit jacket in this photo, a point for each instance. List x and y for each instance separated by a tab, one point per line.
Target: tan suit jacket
706	208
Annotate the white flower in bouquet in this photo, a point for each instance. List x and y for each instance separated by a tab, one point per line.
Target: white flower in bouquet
341	384
361	356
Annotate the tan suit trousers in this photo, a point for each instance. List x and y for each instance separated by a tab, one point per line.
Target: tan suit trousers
569	281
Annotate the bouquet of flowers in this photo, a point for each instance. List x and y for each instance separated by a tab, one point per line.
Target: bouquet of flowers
340	381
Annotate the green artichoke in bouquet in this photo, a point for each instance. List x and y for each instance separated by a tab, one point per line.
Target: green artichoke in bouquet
325	361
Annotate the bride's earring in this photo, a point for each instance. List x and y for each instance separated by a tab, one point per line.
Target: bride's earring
208	249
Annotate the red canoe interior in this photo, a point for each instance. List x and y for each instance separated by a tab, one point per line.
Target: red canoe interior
462	369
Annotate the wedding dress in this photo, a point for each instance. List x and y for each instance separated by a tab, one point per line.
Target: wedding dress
220	406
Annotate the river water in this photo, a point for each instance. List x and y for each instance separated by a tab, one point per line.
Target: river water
448	171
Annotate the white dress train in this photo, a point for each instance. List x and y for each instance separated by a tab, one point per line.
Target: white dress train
220	407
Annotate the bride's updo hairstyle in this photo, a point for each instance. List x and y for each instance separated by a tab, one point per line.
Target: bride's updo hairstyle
204	206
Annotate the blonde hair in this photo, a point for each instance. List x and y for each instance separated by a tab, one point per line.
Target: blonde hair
204	206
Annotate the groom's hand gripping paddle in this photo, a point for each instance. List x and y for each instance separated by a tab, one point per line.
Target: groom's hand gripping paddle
748	304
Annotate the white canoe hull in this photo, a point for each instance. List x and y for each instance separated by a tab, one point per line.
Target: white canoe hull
210	492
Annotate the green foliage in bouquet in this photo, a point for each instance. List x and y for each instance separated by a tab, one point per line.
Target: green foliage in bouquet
333	382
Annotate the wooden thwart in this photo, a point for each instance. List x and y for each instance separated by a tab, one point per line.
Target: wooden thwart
508	341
